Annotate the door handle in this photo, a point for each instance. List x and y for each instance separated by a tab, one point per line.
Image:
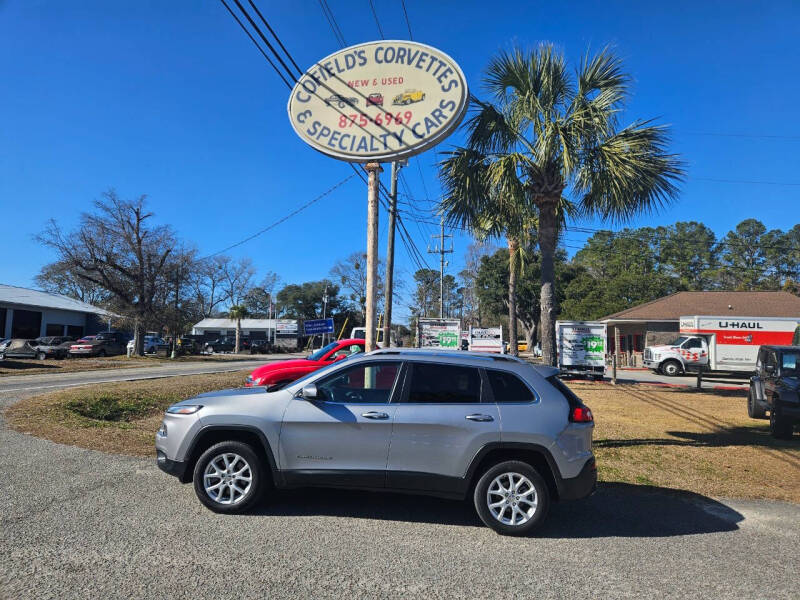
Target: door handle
373	414
479	417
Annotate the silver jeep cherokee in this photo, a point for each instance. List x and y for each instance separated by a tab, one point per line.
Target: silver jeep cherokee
452	424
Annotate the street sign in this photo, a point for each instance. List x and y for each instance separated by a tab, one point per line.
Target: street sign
318	326
379	101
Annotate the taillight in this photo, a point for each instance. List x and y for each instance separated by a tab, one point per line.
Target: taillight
581	414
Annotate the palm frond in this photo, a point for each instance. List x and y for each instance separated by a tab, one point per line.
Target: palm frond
628	173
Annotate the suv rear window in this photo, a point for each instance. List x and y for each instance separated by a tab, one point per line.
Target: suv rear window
572	399
439	384
507	387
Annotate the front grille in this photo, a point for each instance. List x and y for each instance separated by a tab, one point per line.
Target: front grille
647	354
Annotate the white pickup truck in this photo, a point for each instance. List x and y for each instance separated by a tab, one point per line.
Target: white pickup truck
719	344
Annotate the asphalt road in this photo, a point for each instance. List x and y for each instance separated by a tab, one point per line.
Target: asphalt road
81	524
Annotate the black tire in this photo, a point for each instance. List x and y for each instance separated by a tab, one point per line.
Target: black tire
257	474
480	498
754	409
780	427
671	368
41	355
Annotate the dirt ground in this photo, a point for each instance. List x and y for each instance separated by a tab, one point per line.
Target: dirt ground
685	440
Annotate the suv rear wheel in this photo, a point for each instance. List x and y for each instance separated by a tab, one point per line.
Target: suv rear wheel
229	477
780	427
512	498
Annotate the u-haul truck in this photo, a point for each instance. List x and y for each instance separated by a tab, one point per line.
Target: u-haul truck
581	347
719	343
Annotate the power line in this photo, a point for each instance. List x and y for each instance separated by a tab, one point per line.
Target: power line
258	12
746	181
328	13
265	40
377	22
408	23
252	39
743	135
282	219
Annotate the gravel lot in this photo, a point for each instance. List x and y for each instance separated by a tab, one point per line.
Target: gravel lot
77	524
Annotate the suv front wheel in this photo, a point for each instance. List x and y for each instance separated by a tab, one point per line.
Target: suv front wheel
229	477
512	498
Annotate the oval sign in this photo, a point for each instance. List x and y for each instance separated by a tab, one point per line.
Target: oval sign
379	101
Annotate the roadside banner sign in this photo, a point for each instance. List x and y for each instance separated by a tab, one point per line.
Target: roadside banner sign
379	101
438	333
286	327
318	326
486	339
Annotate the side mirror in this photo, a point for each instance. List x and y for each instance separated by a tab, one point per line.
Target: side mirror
310	391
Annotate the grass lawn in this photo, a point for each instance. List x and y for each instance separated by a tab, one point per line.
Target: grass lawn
673	438
38	367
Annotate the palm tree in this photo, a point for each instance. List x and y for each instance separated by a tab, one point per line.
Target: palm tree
238	312
559	134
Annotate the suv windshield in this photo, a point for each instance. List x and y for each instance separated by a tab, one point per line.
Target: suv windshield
322	351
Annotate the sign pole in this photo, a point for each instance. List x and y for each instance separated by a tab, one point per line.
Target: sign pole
374	169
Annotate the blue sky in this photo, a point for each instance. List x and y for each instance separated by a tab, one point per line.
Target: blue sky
170	99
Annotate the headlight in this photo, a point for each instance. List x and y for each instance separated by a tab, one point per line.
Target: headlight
162	431
184	409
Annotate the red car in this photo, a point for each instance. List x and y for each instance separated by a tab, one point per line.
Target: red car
277	374
375	99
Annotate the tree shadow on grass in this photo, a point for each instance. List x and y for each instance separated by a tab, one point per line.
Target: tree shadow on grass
615	510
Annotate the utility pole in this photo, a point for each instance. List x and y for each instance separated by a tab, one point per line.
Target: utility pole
387	311
441	250
324	309
374	169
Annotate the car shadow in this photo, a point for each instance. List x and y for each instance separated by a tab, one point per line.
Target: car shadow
18	365
757	435
615	510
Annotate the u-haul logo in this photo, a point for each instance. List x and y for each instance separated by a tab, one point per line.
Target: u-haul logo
740	325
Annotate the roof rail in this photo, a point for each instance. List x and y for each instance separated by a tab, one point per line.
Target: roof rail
448	354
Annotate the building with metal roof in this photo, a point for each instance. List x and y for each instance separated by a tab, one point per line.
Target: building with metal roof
27	313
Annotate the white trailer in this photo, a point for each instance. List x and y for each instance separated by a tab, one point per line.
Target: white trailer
727	343
581	347
486	339
444	334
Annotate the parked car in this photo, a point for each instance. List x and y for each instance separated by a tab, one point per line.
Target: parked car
225	344
275	375
775	388
18	348
151	344
107	343
509	436
54	346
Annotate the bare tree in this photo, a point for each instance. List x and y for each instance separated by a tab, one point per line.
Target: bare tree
351	275
208	283
237	279
116	248
61	278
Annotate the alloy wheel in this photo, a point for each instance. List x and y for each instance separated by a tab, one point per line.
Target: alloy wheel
512	499
227	478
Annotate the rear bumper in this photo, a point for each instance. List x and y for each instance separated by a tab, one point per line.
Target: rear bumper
175	468
581	486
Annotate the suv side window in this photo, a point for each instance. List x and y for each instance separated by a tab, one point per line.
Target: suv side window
364	383
509	388
436	383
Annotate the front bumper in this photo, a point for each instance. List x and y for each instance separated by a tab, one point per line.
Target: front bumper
581	486
82	352
175	468
650	364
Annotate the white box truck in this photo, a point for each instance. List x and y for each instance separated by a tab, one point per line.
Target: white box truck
581	347
444	334
725	343
486	339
